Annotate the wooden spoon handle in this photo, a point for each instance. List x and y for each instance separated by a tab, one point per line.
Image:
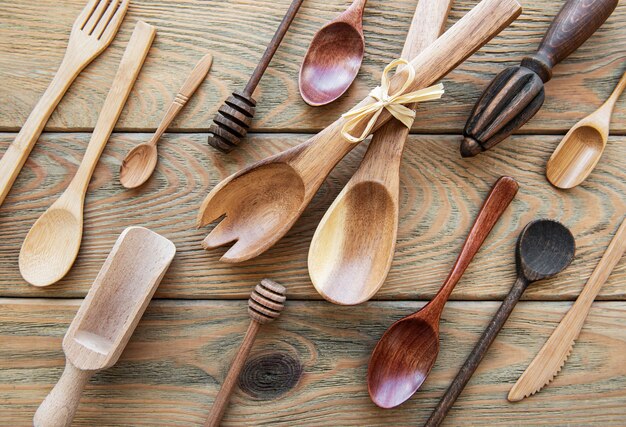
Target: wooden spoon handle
477	354
499	198
59	407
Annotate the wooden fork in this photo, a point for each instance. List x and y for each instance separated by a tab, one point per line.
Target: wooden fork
92	32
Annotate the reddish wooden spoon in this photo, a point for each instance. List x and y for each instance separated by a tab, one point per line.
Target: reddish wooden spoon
334	57
407	351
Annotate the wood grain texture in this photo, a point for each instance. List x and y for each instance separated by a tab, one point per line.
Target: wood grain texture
440	195
189	28
316	354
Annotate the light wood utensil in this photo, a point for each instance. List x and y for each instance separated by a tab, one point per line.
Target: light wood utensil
52	244
554	353
544	249
407	351
334	57
265	304
353	246
262	202
580	150
92	32
107	318
140	162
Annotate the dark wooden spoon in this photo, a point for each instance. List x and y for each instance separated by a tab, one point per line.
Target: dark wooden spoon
407	351
334	57
544	249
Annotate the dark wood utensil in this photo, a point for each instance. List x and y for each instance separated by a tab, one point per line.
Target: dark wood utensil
334	57
407	351
544	249
232	121
516	94
265	304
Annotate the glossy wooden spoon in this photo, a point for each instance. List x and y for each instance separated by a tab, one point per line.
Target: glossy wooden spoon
580	150
52	244
259	204
140	162
354	244
407	351
334	57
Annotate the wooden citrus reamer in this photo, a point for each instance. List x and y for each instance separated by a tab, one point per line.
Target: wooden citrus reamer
265	304
262	202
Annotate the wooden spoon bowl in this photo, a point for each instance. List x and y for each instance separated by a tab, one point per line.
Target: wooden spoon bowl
138	165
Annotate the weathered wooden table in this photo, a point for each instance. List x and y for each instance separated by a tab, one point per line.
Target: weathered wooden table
309	367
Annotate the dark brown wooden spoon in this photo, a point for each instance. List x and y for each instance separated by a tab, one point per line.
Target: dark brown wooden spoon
407	351
334	57
544	249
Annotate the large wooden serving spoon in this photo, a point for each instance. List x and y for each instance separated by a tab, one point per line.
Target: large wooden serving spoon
580	150
334	57
260	203
353	246
407	351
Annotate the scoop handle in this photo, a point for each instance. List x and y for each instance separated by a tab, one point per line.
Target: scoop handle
576	22
59	407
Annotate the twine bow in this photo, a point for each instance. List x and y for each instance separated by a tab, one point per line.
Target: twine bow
394	103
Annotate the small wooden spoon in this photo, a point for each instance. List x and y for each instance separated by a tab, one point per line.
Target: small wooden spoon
580	150
407	351
354	244
107	318
259	204
52	244
334	57
140	162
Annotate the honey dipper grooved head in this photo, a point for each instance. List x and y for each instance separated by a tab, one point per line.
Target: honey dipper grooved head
266	301
232	121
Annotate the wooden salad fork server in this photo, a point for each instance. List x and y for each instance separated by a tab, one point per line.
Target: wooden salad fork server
52	244
353	246
262	202
544	249
265	304
407	351
554	353
92	32
140	162
107	318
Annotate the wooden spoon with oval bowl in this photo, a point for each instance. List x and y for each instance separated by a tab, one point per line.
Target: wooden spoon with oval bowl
260	203
347	265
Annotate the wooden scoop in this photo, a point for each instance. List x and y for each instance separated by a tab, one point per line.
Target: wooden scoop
408	350
580	150
334	57
52	244
107	318
263	201
353	246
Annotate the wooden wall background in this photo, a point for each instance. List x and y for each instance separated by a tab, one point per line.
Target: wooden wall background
309	367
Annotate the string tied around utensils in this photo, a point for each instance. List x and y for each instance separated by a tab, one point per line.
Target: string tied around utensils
395	104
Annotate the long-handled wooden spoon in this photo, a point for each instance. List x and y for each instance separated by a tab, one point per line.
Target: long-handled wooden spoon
407	351
552	356
140	162
107	318
353	246
93	30
334	57
544	249
580	150
262	202
52	244
265	304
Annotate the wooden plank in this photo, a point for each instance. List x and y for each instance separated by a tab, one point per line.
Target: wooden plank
441	194
33	37
308	368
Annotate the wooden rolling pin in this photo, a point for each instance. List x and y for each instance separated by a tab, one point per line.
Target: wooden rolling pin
516	94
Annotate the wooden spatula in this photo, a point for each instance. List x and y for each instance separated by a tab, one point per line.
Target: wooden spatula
107	318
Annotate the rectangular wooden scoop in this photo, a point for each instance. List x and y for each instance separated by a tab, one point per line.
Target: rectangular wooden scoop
107	317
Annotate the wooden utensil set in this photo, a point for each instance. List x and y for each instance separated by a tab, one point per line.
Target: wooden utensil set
353	247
